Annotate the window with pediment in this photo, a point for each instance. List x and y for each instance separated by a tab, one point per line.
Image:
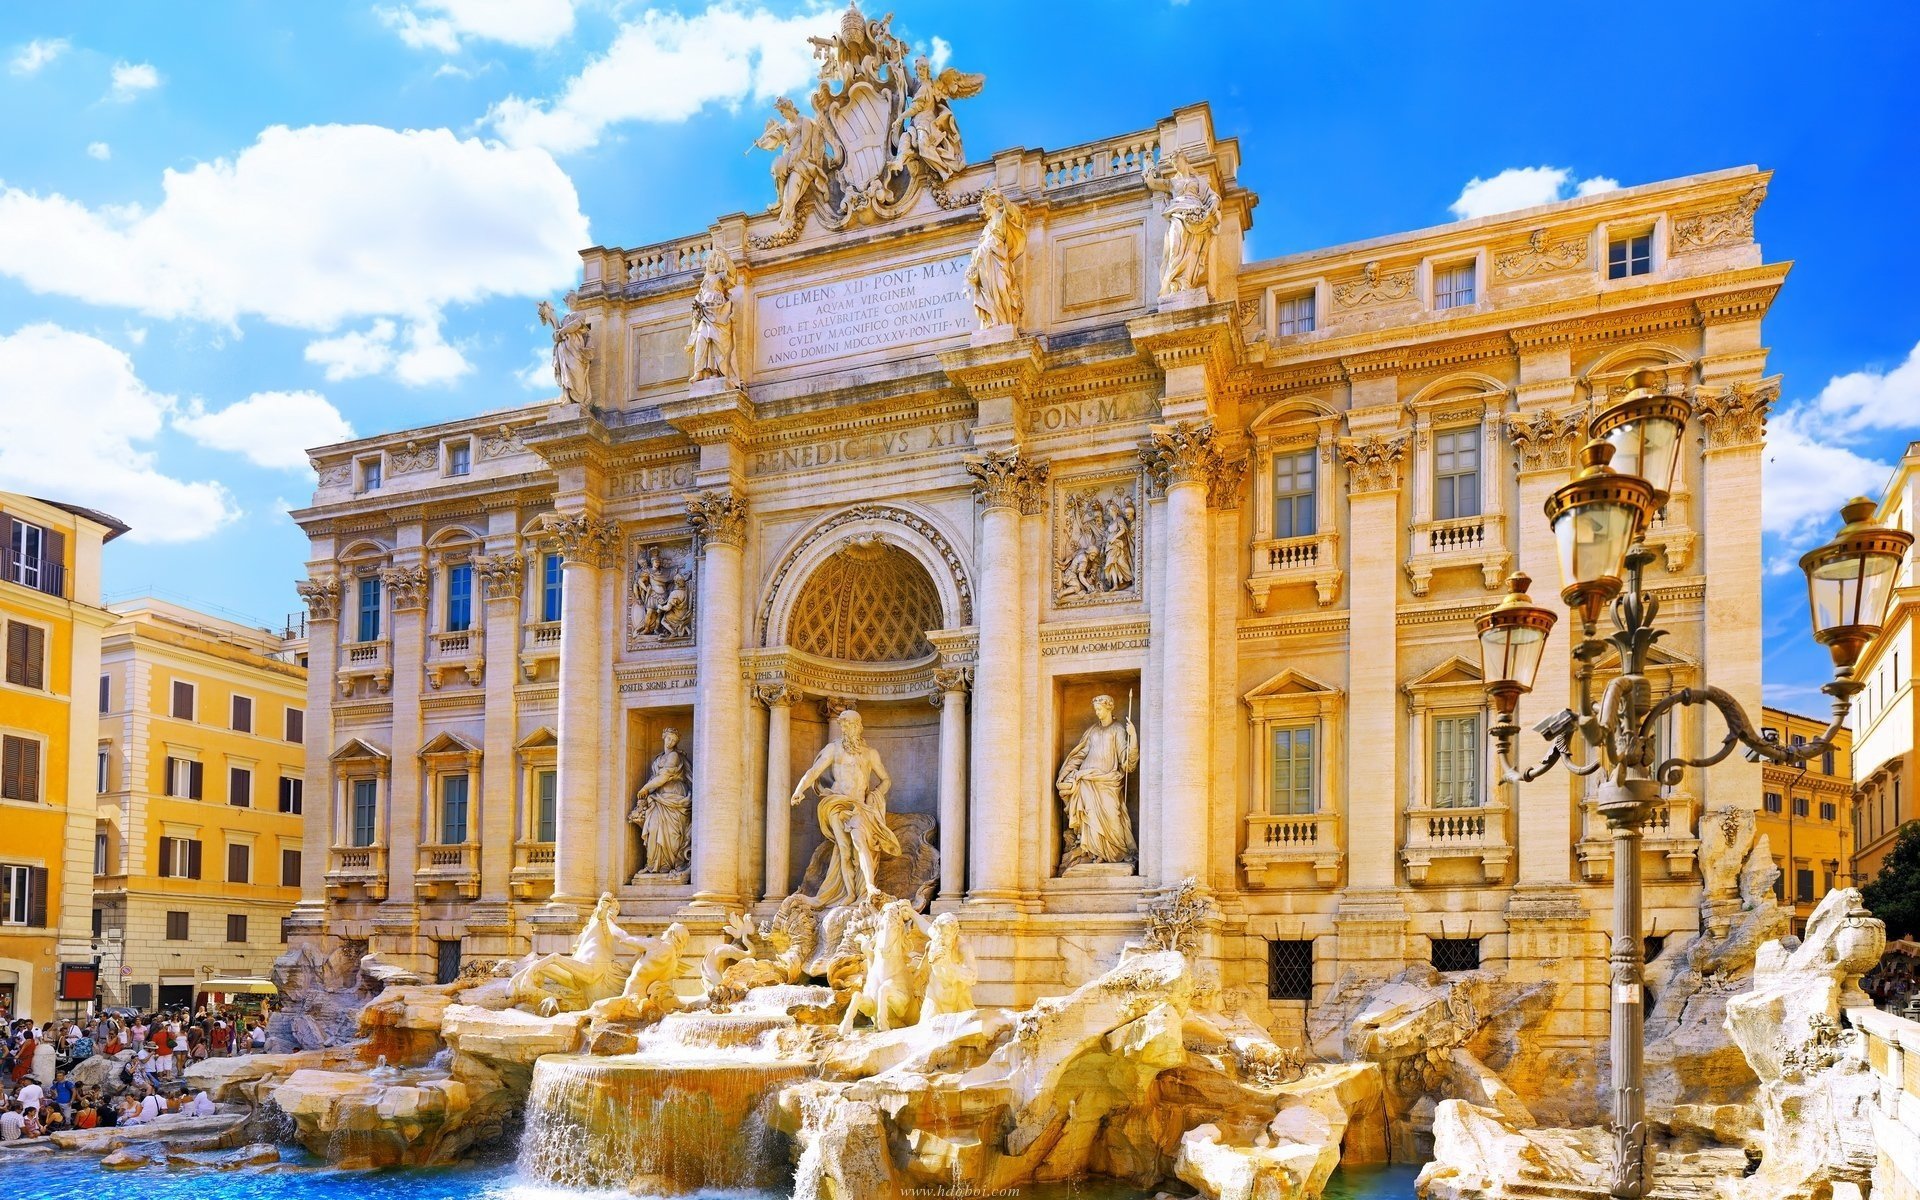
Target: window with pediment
1457	476
1293	827
1295	537
1455	817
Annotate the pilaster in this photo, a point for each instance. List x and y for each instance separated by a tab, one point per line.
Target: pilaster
323	595
1374	464
719	520
588	545
405	586
502	578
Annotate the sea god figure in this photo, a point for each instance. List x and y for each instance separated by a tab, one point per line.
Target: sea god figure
1092	785
852	813
994	272
571	352
663	809
1193	213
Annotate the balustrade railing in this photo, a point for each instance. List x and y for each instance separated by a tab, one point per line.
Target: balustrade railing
668	258
1277	841
1122	156
1436	833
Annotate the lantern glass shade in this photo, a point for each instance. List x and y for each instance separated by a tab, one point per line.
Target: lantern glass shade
1648	447
1850	582
1593	540
1511	653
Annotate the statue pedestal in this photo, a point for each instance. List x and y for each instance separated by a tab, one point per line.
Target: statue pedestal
1097	887
1191	298
665	883
993	335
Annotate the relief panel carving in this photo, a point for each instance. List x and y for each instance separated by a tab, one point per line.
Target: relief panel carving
660	592
1096	540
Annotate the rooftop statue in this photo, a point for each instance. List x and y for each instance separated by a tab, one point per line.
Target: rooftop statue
1193	214
572	354
994	273
710	341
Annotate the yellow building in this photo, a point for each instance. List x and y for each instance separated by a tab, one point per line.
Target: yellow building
50	607
1885	720
1806	812
201	778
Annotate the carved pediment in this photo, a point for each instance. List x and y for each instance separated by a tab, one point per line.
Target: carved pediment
1455	672
1289	683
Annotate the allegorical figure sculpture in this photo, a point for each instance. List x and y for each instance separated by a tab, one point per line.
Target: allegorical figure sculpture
803	156
648	993
994	273
852	813
663	809
1092	785
886	992
710	340
1097	547
950	977
1193	213
572	354
571	982
928	131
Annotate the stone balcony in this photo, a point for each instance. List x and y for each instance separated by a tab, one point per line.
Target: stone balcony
539	642
532	874
1668	847
1478	541
1277	843
455	655
451	870
351	867
1476	834
372	661
1276	562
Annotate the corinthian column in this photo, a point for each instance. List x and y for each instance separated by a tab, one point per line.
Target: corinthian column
779	701
719	715
950	697
322	594
588	545
1005	484
406	589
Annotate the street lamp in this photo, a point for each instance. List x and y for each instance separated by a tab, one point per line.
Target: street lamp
1598	522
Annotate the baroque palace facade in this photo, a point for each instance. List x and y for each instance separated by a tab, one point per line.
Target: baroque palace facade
962	447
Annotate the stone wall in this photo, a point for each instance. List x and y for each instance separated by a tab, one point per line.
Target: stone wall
1893	1055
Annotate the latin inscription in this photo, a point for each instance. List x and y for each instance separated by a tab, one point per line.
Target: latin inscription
675	477
861	447
900	306
1088	413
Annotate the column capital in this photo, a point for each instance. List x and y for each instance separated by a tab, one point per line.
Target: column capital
501	575
776	695
1182	452
719	517
582	538
949	681
1373	462
1545	440
322	596
1735	416
406	587
1007	479
1224	486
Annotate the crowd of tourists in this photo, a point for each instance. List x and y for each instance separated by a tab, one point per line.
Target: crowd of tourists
1893	984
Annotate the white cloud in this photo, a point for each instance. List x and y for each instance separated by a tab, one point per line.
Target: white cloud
94	456
426	358
356	353
667	67
1523	187
537	375
99	150
941	53
269	429
36	54
131	79
137	334
443	24
310	228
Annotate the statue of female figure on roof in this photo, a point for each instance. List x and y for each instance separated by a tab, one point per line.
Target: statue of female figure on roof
1193	213
999	255
710	340
572	353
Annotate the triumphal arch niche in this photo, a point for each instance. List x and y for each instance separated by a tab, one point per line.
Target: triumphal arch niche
992	535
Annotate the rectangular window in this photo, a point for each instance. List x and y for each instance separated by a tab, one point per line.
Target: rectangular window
100	854
184	778
293	794
179	858
26	655
100	772
290	868
1829	811
369	474
177	927
23	895
1456	954
1802	884
367	628
239	863
459	458
1799	806
1453	286
1292	772
239	787
1632	255
296	725
1826	763
19	768
106	693
1294	512
453	809
182	700
366	805
1290	970
1456	473
459	597
1456	762
236	927
1293	314
1772	802
242	714
546	793
37	558
550	576
446	960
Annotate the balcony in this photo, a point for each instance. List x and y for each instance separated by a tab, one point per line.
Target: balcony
1436	834
532	874
1668	847
1477	541
1277	843
371	661
539	642
357	867
455	653
45	575
448	870
1314	559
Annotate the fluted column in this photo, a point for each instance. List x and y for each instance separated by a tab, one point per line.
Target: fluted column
587	545
323	597
950	697
779	839
406	589
719	715
1005	483
501	581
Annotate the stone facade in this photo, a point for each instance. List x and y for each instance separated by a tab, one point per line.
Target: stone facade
1885	716
885	512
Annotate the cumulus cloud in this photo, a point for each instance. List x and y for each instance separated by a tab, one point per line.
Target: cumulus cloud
667	67
99	459
311	228
355	353
269	429
424	358
99	150
132	79
1523	187
443	25
28	59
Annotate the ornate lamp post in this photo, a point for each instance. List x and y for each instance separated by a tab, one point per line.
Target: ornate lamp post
1598	521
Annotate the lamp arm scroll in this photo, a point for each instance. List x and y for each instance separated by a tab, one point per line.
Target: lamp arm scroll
1740	732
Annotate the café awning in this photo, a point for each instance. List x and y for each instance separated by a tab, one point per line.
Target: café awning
241	987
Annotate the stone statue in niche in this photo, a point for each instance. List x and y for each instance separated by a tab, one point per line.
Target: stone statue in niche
852	812
994	272
1093	786
1097	545
1193	214
663	809
710	340
572	354
662	595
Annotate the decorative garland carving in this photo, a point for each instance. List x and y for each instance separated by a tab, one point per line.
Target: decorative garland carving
338	475
414	458
1006	479
583	538
1736	415
1719	226
872	512
501	576
1373	462
1373	287
322	597
719	518
1546	441
1539	258
500	442
406	586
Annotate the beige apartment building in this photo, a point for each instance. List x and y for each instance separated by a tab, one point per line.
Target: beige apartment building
1886	721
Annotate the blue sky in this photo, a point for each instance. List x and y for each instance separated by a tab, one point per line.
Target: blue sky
231	230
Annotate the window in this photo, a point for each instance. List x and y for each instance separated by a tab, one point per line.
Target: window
1829	811
1826	763
296	725
1802	883
1290	970
1631	255
546	791
293	794
177	927
367	628
1453	286
369	474
1456	762
106	693
1292	772
1651	947
19	768
184	778
290	868
100	854
239	862
99	922
1456	473
366	804
1294	511
1772	802
179	858
239	787
36	558
1799	806
182	700
550	588
459	597
1294	314
236	927
453	809
23	895
1456	954
459	458
242	714
100	772
446	960
26	655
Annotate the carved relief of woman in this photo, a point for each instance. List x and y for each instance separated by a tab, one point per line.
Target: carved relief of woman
994	273
1119	555
663	809
1193	213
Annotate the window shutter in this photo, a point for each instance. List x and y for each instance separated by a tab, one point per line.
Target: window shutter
36	664
242	714
196	775
17	653
193	859
53	561
166	784
296	725
166	858
12	750
29	769
37	897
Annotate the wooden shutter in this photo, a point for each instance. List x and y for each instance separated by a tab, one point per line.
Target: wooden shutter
289	868
37	897
166	858
17	653
12	751
237	863
182	700
243	714
53	562
296	725
196	776
193	859
239	787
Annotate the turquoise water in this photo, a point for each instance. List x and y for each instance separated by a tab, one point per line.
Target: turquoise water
65	1177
